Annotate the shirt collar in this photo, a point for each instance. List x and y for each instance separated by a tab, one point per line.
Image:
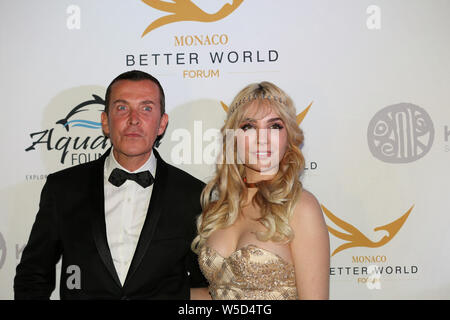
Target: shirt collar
111	163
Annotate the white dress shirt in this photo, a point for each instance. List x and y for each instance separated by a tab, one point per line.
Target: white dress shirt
125	211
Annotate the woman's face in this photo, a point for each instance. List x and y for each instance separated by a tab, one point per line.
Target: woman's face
261	140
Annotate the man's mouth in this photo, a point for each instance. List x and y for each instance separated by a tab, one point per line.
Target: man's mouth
133	135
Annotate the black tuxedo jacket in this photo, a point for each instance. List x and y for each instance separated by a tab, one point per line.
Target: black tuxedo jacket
71	224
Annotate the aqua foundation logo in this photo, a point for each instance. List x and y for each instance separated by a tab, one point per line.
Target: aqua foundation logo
75	136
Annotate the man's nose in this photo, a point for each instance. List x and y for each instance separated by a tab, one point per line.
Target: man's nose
133	118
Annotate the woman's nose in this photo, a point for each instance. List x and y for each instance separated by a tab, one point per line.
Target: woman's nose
263	137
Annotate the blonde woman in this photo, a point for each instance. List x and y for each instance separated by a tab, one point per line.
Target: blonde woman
261	235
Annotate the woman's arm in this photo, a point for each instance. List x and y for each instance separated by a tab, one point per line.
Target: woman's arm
200	294
310	248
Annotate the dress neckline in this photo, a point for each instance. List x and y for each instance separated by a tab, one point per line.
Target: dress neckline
246	247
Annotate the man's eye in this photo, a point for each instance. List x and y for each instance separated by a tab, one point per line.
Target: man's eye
147	108
121	108
247	126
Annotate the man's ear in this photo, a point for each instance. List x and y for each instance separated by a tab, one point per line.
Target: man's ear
105	124
163	123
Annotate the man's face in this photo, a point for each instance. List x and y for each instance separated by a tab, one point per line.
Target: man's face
134	120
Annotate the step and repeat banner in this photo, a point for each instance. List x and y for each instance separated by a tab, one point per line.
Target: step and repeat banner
375	75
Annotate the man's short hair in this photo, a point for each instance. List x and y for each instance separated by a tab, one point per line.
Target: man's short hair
136	75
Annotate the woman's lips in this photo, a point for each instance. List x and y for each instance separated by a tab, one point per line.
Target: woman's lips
261	154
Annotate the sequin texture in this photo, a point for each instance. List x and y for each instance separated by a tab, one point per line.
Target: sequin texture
250	273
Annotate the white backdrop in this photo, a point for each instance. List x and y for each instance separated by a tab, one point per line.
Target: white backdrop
376	136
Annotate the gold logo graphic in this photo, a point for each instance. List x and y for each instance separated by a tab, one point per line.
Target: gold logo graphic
356	238
300	116
185	10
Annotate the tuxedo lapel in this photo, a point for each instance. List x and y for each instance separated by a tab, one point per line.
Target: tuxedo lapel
153	213
98	217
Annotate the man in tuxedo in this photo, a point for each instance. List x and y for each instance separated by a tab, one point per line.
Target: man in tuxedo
123	224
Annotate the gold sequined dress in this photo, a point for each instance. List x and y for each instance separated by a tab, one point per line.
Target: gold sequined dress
249	273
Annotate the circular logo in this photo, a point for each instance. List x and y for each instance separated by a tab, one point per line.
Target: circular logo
400	133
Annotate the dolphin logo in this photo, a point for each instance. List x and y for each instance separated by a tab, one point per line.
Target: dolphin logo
356	238
185	10
300	116
65	122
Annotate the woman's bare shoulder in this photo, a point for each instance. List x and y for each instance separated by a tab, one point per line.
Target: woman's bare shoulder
307	215
307	204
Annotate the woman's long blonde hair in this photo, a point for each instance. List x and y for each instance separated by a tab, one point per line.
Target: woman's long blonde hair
224	196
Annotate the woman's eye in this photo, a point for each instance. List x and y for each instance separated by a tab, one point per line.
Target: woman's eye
247	126
276	126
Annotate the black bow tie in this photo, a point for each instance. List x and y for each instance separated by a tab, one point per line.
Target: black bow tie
119	176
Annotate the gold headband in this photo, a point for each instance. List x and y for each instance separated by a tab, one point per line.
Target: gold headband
300	116
254	97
